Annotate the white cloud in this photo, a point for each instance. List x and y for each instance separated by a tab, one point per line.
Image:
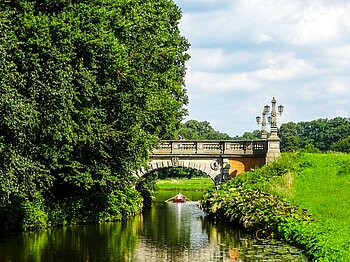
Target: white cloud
246	51
219	60
284	67
292	22
338	56
338	88
320	24
264	38
220	82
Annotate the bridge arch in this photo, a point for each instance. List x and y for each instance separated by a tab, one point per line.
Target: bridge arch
212	167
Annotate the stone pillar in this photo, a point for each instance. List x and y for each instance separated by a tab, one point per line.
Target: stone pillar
273	147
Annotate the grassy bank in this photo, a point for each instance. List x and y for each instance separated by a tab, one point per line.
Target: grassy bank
302	198
201	184
322	187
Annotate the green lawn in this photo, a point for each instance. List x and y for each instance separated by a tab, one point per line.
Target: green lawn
323	187
185	184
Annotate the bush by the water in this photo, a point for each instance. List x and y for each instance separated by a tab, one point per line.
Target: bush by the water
95	207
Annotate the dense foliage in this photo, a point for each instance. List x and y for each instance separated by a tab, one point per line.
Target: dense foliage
87	88
317	135
195	130
255	201
255	135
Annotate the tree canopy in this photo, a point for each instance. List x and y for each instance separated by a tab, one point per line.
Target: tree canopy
321	134
87	88
196	130
255	135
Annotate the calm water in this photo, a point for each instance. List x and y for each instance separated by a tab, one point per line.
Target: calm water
167	232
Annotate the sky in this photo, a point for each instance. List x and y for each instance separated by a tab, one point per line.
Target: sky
244	52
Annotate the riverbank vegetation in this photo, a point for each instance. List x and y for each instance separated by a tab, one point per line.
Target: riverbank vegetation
88	88
302	198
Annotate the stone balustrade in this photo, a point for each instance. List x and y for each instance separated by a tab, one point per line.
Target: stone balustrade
201	147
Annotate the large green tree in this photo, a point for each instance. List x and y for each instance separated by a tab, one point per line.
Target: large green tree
87	88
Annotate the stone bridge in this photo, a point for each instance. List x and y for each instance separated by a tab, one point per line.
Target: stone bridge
220	160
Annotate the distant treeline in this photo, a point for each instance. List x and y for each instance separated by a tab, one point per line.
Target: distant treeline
319	135
195	130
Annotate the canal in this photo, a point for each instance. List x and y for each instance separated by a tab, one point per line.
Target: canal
167	232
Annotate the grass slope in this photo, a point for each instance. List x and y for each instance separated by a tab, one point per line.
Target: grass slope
323	188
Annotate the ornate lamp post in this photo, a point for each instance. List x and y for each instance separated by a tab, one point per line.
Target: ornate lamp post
273	150
273	118
263	123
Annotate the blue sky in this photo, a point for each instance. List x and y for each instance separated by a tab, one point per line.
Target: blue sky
244	52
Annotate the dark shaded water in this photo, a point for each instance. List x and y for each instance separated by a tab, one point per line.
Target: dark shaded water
167	232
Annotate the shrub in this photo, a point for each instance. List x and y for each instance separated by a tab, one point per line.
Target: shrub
23	214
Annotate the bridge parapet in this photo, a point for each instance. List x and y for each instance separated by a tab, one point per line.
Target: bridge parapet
209	147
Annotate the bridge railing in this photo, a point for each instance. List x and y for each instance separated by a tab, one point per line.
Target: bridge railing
189	147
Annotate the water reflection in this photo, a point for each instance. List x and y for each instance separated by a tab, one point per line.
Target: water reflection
179	234
184	234
104	242
167	232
